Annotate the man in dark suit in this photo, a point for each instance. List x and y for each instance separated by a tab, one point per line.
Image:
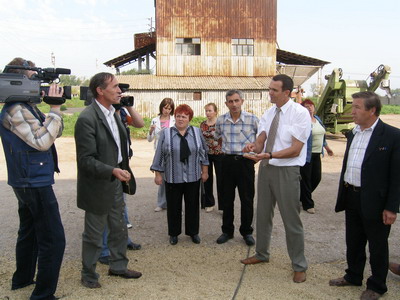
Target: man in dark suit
103	173
369	193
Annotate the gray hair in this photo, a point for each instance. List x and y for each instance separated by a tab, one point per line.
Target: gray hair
371	100
232	92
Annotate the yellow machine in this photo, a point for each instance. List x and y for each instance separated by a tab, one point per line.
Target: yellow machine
334	105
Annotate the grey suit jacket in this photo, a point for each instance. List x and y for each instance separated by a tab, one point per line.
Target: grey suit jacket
97	156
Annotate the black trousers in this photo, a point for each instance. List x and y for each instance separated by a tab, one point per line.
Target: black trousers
238	172
359	231
310	179
215	162
190	193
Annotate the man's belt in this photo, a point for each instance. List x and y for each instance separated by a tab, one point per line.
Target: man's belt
234	156
352	187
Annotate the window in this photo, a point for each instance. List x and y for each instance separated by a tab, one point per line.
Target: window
242	47
189	96
188	46
252	96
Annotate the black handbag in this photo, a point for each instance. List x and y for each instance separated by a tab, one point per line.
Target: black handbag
129	187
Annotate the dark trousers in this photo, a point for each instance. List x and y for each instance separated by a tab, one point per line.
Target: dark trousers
310	179
359	231
238	172
41	239
190	193
92	237
215	162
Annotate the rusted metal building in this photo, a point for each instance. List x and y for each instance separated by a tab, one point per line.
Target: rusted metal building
204	48
216	38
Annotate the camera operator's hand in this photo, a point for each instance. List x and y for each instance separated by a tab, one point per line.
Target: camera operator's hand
55	91
136	119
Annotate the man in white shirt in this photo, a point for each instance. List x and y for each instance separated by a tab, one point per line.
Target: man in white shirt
281	147
369	193
103	175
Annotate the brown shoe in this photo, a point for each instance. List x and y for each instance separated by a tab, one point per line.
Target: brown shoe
394	268
370	295
252	260
299	277
90	284
127	274
339	282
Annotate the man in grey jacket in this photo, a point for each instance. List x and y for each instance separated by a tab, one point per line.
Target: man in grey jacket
103	175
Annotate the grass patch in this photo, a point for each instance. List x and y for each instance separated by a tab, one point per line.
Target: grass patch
136	133
75	102
390	110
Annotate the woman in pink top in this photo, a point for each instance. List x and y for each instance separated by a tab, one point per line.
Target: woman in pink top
165	119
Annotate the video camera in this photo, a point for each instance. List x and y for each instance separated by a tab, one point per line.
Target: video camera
16	87
87	95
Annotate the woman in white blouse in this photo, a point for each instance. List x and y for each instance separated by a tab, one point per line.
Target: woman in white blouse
165	119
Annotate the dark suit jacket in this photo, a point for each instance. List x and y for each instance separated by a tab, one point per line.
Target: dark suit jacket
97	156
380	174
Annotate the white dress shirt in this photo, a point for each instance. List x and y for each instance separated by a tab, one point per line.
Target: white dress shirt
294	121
109	114
357	150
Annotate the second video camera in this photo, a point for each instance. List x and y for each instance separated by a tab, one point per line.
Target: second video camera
87	95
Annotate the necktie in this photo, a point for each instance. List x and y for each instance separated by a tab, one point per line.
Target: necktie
272	134
184	151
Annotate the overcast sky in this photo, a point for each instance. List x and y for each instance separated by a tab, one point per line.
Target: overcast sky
355	35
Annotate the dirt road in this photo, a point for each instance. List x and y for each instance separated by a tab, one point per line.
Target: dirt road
189	271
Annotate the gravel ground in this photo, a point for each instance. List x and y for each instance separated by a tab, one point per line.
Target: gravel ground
189	271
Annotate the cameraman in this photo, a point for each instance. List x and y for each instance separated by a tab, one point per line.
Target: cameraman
28	140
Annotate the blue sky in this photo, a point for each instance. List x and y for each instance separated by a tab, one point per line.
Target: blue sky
355	35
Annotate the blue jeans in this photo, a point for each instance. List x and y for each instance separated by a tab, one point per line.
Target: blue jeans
41	239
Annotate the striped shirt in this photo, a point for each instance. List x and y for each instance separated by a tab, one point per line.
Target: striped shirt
357	150
167	157
235	135
20	121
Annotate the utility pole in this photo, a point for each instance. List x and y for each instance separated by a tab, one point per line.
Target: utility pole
151	28
53	59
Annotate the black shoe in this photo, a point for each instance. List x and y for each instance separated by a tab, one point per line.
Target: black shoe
173	240
105	260
224	238
133	246
249	240
195	239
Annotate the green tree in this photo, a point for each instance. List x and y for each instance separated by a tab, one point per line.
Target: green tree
135	72
73	80
395	92
316	89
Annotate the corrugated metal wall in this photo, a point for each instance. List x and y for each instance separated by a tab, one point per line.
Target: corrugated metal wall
147	102
216	22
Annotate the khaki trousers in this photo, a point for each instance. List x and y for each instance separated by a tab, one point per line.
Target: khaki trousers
280	185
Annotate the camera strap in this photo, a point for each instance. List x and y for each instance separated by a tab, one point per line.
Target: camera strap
54	100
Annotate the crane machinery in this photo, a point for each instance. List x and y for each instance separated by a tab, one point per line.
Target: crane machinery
334	104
